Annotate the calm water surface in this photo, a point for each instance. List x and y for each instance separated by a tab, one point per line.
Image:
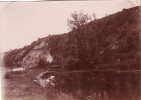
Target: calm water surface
117	85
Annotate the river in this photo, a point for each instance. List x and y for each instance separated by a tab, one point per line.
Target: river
118	85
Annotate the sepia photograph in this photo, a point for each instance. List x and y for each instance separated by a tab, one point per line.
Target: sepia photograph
70	50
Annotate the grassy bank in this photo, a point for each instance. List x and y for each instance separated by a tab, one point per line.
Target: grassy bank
20	86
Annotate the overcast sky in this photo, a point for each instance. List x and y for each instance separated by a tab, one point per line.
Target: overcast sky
24	22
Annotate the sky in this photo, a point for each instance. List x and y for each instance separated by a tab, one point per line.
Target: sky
21	23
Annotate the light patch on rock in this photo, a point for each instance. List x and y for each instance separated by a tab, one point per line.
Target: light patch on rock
49	58
44	82
33	57
101	52
42	44
17	69
118	60
22	53
31	60
114	47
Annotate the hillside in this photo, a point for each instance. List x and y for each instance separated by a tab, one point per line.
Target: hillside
109	42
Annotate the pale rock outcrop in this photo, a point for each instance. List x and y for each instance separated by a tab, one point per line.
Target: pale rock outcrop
42	44
37	53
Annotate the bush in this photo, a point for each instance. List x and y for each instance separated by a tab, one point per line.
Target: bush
8	75
42	63
98	96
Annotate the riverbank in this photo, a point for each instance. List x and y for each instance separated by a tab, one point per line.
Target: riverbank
20	86
72	85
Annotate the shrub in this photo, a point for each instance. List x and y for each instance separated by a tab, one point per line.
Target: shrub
42	63
98	96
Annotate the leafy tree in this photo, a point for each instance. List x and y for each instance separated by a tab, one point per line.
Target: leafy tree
78	19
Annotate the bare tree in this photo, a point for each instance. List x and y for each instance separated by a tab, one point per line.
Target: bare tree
94	15
78	19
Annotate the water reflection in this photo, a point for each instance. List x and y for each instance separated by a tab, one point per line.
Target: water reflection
118	86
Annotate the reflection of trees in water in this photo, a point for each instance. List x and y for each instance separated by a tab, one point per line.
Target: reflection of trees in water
116	85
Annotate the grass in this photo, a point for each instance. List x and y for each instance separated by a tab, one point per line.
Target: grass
20	86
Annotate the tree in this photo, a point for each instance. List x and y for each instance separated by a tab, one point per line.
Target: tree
78	19
94	16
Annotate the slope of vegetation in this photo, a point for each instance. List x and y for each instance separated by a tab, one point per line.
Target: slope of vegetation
110	42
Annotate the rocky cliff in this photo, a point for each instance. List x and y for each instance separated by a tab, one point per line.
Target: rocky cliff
113	40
